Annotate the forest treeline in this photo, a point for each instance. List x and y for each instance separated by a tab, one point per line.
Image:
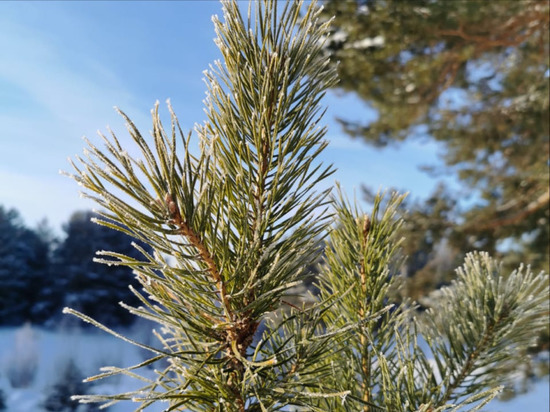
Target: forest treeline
40	273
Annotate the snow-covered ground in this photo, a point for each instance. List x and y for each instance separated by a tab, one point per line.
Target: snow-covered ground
92	349
89	349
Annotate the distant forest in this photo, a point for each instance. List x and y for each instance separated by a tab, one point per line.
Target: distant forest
40	274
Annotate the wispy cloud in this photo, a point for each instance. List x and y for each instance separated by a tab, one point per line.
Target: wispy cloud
45	75
47	105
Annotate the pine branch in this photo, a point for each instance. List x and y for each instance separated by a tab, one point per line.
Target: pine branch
360	253
534	206
233	227
483	323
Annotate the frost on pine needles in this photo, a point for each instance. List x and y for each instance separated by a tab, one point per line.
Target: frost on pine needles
233	227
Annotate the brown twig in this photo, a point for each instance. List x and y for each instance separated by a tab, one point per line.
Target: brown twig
537	204
186	230
291	305
238	331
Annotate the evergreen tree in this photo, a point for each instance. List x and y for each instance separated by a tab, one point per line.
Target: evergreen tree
233	228
473	76
3	406
47	307
69	381
24	264
80	282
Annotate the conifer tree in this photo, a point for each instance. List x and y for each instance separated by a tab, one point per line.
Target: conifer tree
473	77
87	286
59	395
2	400
234	226
24	264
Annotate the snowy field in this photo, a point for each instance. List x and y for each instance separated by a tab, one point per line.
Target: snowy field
52	351
88	349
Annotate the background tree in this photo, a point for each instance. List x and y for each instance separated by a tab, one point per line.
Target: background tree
473	76
3	406
24	264
233	228
67	382
80	282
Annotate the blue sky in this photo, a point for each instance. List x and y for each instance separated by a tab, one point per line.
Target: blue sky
64	65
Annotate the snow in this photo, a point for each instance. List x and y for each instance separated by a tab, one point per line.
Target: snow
367	43
92	349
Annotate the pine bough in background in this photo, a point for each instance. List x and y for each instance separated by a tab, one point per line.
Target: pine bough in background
233	227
